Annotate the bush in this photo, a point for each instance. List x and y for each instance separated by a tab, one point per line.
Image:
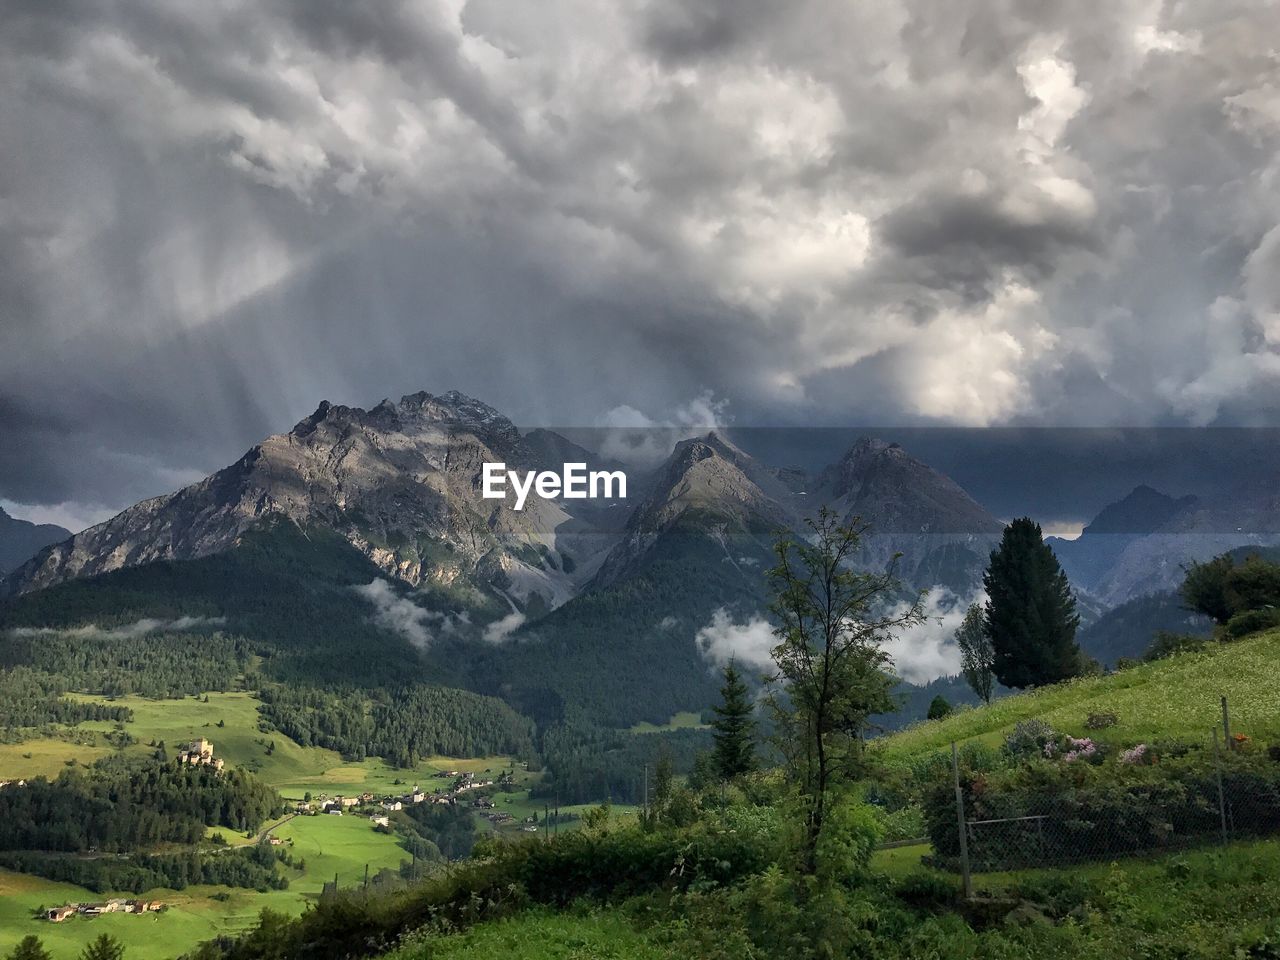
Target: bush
926	890
1251	621
1101	720
848	839
939	708
1166	644
1096	812
1029	738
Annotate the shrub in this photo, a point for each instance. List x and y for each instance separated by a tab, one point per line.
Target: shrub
1029	739
1096	812
939	708
926	890
848	839
1166	644
1251	621
1101	720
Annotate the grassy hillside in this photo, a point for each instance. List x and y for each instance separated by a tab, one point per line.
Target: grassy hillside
1176	698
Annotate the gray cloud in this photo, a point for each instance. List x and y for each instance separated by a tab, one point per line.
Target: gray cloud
211	217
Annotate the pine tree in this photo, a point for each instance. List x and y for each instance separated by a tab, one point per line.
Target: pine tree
977	656
734	749
1030	613
106	947
939	708
29	948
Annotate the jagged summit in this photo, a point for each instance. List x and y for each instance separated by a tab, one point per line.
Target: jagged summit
882	483
400	482
1143	510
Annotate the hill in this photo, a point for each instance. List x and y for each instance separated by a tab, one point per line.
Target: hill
1168	699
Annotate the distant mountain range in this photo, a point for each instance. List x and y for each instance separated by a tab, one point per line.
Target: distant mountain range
20	540
566	604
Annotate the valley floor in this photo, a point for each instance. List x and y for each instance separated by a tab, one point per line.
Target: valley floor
330	847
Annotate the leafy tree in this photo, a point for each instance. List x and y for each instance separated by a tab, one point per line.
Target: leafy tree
1205	588
29	948
1253	585
977	655
1030	614
734	749
939	708
106	947
832	624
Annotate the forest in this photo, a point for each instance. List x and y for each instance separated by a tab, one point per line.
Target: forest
120	806
402	725
252	867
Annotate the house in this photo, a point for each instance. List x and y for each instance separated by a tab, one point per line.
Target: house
366	797
348	801
274	840
392	804
380	821
58	914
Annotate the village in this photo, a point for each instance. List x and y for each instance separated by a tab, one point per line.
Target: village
65	912
377	808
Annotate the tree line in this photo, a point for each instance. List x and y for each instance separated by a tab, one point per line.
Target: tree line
120	806
401	725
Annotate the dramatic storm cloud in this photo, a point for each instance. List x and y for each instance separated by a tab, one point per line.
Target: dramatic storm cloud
213	215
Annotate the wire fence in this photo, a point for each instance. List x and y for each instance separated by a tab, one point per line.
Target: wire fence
1054	819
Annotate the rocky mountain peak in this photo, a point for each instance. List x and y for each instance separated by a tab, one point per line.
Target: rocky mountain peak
1143	510
880	481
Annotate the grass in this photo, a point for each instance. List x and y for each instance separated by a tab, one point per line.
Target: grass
1176	698
541	935
686	720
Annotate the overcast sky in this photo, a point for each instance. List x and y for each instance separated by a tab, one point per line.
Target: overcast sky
213	215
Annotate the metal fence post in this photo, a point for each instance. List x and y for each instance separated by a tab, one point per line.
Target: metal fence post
960	824
1222	800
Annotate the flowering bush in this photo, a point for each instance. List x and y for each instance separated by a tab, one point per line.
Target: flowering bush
1082	749
1135	755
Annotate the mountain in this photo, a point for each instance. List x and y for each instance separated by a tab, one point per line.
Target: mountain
707	487
1141	544
696	544
565	608
400	483
1089	558
20	540
944	535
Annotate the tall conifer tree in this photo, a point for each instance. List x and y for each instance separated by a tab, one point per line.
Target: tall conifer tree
1030	613
734	748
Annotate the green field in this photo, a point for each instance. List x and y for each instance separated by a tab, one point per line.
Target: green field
1176	698
290	768
330	846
